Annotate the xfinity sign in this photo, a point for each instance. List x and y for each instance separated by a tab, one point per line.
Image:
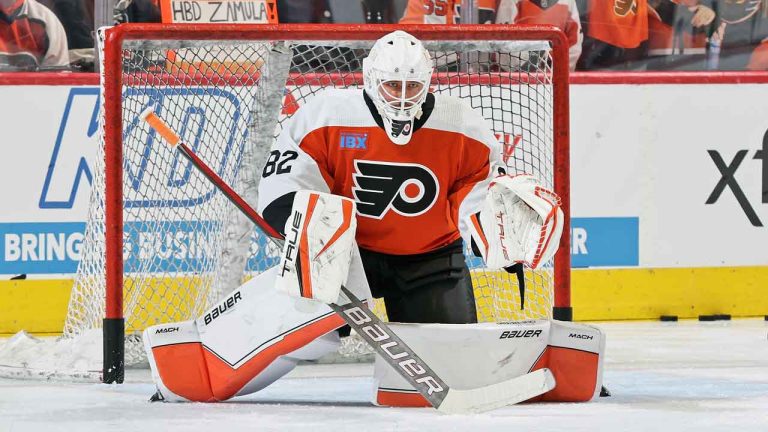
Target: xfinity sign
728	179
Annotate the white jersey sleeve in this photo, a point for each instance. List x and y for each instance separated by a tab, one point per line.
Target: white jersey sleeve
289	167
477	190
468	193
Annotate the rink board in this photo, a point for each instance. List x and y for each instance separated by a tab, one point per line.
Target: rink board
668	199
40	306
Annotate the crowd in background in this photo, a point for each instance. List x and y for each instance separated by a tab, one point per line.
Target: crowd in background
603	34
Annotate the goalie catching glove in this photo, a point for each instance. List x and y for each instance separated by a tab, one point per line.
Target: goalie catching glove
520	222
319	242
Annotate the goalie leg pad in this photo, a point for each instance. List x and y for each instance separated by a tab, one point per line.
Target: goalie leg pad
575	356
474	355
245	342
178	365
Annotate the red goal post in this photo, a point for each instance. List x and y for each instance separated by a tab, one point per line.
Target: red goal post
116	78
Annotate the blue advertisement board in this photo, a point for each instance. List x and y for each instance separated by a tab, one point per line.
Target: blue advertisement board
605	242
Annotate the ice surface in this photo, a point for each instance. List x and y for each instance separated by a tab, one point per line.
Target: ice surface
684	376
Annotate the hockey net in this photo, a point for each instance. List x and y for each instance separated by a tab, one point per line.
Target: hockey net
162	243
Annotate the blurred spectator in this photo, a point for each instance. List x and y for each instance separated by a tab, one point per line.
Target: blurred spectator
298	11
78	23
31	37
313	58
678	33
616	33
379	11
674	34
744	28
78	20
759	59
137	11
561	13
445	12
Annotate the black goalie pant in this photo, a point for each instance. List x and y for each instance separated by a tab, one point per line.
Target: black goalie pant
433	287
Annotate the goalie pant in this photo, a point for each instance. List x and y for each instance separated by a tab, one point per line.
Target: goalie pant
248	340
473	355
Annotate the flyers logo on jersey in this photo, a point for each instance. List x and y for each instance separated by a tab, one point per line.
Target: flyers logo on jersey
407	189
623	8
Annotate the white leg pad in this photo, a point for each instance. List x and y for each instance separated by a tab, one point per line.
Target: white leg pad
472	355
252	337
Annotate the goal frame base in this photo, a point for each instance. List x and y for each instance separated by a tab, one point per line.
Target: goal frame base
562	313
114	351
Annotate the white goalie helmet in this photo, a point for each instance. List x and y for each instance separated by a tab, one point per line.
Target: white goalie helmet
396	76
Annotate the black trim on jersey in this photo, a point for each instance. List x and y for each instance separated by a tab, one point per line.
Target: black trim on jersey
426	111
299	271
453	247
475	248
277	212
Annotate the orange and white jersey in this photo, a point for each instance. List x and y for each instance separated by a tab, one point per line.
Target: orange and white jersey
31	37
411	198
445	12
621	23
664	40
561	13
759	58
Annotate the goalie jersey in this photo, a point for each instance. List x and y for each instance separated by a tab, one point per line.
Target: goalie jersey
411	198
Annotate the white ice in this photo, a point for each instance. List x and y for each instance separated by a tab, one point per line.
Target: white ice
684	376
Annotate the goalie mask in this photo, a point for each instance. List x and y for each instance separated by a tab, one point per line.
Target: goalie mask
396	75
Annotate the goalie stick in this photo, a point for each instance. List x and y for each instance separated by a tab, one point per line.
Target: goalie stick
375	332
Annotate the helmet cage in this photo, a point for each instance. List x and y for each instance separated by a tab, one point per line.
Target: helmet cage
402	106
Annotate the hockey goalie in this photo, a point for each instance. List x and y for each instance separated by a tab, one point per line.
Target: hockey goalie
378	190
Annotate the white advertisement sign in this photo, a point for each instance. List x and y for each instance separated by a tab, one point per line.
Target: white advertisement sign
689	161
662	175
